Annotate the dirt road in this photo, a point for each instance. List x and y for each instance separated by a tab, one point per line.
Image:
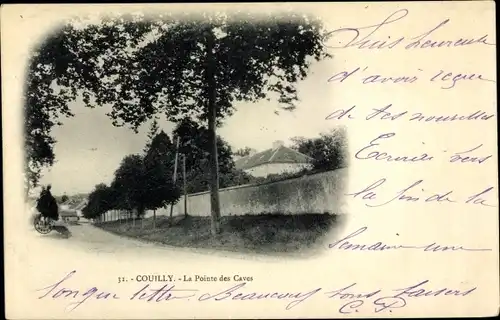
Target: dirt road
36	263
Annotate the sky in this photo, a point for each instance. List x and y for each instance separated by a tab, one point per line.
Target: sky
89	148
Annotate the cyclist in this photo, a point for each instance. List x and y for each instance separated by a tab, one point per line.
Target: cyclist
47	205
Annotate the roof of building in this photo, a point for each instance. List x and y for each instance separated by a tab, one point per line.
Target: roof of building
75	204
81	205
280	154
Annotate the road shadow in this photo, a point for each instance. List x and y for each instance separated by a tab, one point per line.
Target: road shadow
59	232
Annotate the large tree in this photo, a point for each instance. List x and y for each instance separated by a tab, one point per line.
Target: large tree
153	131
159	170
130	185
194	143
328	151
183	65
100	200
54	77
64	198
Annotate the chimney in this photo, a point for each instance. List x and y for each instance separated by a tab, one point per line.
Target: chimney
277	144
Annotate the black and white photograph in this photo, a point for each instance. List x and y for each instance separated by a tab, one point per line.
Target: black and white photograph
250	160
187	130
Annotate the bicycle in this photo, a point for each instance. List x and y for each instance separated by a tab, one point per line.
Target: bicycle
45	226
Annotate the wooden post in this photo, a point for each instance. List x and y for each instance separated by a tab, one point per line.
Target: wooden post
184	184
175	174
134	217
154	219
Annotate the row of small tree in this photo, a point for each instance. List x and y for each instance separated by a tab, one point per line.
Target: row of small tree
141	182
153	180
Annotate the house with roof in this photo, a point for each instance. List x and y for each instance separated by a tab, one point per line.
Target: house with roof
276	160
71	210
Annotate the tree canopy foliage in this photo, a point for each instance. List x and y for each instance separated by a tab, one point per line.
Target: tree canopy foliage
153	131
129	184
194	145
148	65
243	152
100	200
328	151
159	171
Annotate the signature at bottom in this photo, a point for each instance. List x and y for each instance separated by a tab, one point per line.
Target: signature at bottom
381	301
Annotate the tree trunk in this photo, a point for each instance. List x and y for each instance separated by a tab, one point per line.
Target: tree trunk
154	219
212	117
184	184
139	213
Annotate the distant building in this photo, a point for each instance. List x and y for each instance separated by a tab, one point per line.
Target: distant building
69	216
71	210
79	207
276	160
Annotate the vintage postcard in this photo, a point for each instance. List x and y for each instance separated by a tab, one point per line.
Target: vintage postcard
279	160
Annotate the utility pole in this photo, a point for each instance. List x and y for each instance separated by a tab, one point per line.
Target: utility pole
184	184
175	174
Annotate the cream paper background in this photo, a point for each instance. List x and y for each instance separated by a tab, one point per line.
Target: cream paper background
32	264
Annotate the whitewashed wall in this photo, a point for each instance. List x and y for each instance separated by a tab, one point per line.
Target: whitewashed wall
318	193
276	168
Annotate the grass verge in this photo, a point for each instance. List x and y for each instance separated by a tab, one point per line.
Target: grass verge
265	233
